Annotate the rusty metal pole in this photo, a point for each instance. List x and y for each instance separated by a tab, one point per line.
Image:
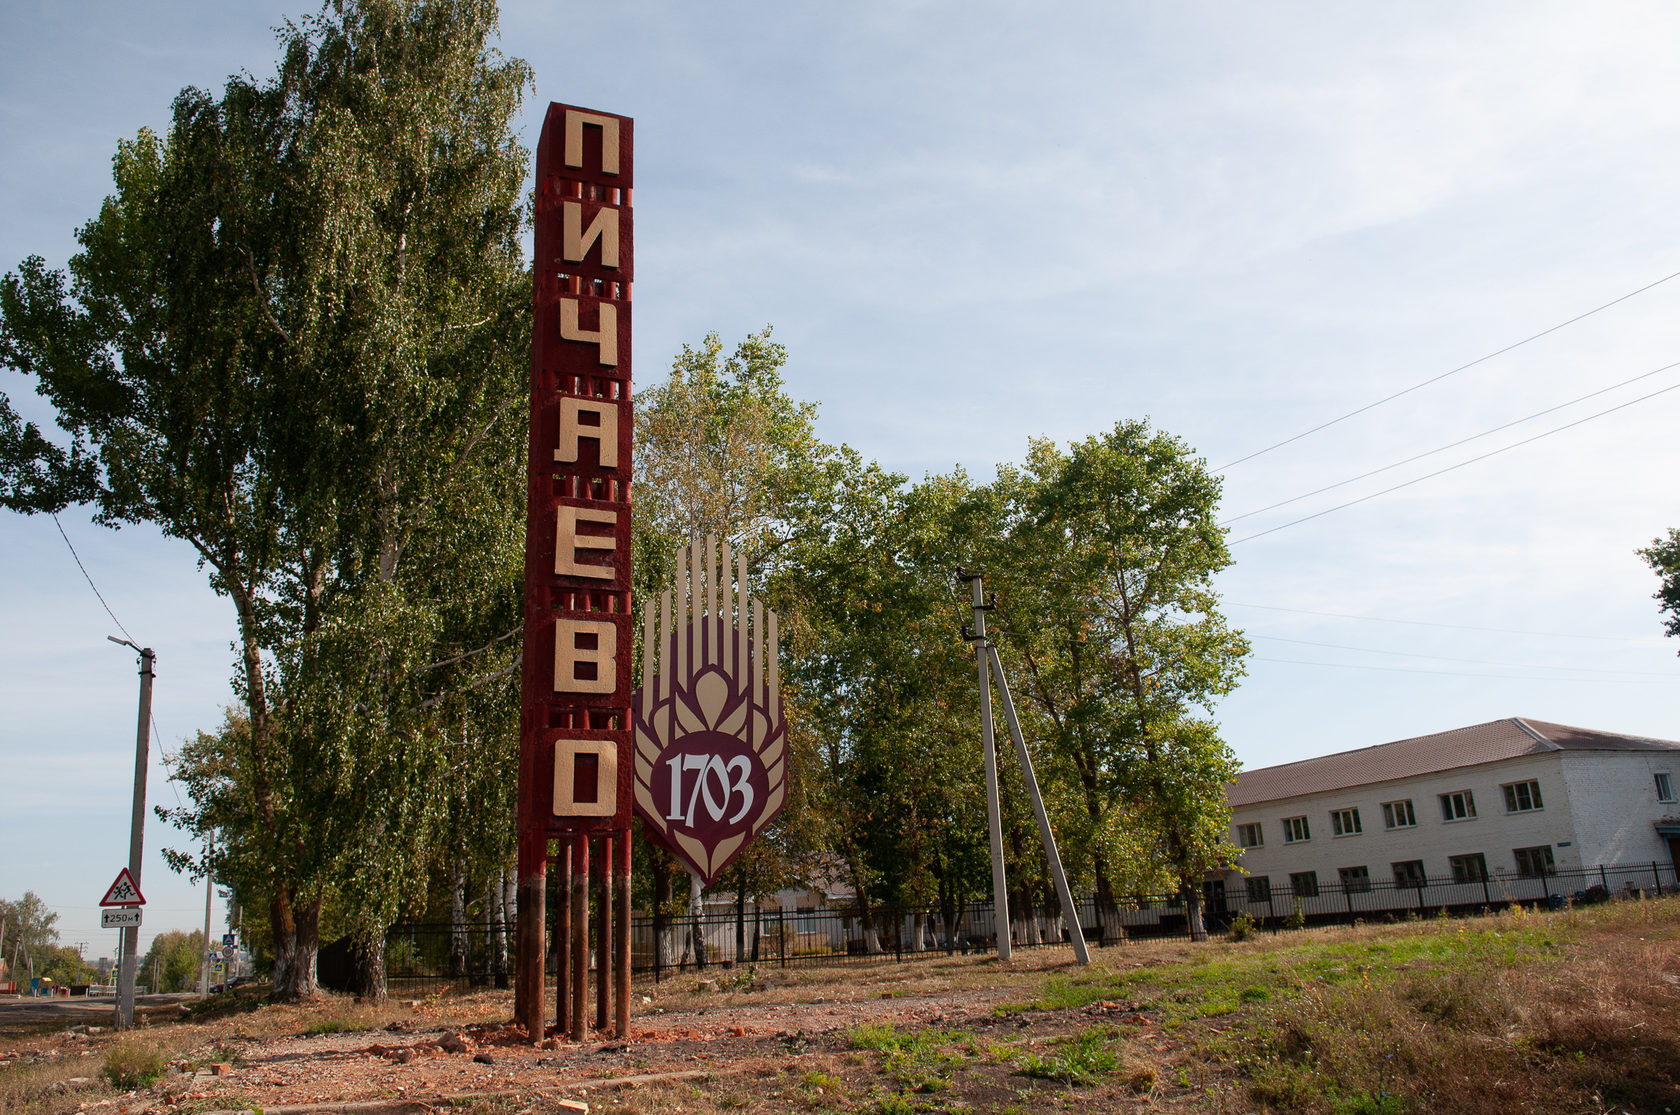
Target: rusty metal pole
580	934
563	940
603	930
621	1021
530	946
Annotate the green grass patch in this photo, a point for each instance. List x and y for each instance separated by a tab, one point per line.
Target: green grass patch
1082	1059
920	1061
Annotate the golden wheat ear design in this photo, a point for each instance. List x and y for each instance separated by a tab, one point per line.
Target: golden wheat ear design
710	669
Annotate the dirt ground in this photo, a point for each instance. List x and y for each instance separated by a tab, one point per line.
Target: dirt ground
772	1041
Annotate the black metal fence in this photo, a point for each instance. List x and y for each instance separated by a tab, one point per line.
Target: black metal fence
422	958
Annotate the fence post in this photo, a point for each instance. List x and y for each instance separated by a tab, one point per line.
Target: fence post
1348	894
1420	898
1656	874
1271	908
781	934
898	933
1603	878
1487	895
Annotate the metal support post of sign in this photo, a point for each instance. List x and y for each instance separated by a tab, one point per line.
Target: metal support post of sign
602	882
580	934
1070	912
994	812
136	834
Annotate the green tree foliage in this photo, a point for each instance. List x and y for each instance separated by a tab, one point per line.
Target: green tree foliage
174	962
722	450
65	966
1663	556
29	934
1110	605
294	337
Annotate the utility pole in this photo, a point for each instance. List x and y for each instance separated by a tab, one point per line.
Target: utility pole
994	812
209	892
988	656
130	958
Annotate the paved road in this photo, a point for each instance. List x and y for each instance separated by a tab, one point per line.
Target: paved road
21	1014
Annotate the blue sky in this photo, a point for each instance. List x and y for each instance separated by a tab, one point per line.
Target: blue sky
976	223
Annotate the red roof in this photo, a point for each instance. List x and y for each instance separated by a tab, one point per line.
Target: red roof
1406	758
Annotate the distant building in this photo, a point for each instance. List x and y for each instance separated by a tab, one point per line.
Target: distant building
1512	799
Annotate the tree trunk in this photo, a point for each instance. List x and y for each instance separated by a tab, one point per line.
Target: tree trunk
740	918
662	949
1192	895
1108	910
696	914
487	965
459	949
297	930
367	966
498	927
866	915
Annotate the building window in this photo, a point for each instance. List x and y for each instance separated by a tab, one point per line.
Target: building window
1249	836
1399	815
1665	788
1534	862
1260	888
1521	797
1468	869
1458	807
1304	884
1409	873
1295	830
1355	880
1345	822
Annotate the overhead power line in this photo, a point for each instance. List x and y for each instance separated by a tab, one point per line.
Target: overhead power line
1453	467
167	766
1431	623
1456	673
1438	378
1449	445
89	579
1671	675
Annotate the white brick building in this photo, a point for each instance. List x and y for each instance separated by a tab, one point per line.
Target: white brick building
1494	808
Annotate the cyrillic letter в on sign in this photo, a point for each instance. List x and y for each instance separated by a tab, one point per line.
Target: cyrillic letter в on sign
572	429
569	544
585	656
573	155
605	335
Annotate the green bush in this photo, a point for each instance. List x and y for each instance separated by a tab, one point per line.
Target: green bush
1243	927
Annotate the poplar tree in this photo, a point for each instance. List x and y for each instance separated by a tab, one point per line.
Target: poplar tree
294	338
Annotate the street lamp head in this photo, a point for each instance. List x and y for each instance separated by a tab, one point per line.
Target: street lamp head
121	642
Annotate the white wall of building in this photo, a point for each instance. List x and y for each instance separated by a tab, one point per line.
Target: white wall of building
1613	796
1597	808
1494	832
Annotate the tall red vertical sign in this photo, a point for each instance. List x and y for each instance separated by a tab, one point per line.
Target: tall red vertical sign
574	746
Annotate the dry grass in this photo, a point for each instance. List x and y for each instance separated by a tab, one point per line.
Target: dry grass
1524	1012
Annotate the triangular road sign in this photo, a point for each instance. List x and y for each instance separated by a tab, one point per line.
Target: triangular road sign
123	892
